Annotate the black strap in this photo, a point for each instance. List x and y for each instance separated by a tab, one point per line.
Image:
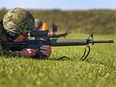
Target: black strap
86	53
61	58
64	58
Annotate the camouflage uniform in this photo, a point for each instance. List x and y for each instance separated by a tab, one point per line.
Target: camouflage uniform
16	20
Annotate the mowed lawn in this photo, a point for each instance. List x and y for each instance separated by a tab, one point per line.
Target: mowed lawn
98	70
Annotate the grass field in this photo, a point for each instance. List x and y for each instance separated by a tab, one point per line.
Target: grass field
99	70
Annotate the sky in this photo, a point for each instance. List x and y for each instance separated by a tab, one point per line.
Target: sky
59	4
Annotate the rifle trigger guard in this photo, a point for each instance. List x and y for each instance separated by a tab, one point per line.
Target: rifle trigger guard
85	55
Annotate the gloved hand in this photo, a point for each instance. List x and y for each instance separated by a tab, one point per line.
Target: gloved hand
46	50
50	33
27	52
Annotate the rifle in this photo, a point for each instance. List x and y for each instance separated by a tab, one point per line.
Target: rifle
60	35
38	38
55	29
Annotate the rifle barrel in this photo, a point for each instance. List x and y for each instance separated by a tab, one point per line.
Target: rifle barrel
69	42
76	42
103	41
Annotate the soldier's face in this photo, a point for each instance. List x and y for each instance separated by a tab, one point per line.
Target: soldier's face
20	38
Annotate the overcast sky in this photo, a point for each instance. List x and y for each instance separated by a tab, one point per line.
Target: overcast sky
59	4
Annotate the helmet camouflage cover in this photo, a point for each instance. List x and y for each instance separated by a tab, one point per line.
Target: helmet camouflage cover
18	20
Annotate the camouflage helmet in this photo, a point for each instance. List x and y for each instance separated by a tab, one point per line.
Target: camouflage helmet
18	20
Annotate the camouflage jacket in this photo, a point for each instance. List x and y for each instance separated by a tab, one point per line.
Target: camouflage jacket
9	53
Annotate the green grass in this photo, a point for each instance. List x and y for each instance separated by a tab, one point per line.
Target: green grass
99	70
